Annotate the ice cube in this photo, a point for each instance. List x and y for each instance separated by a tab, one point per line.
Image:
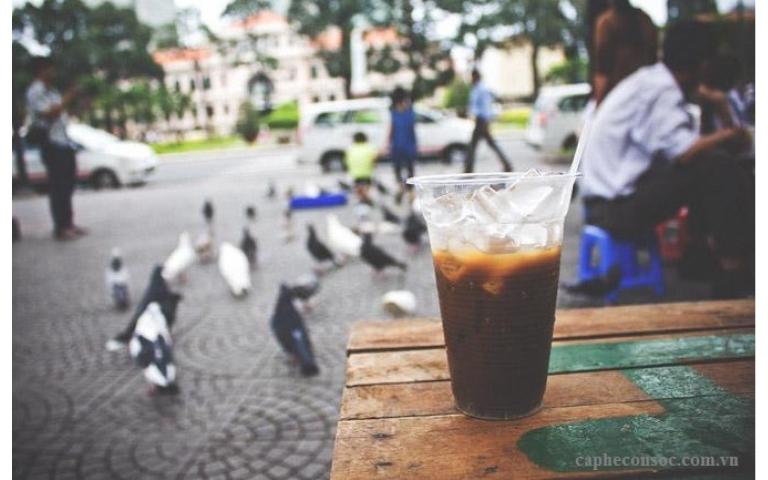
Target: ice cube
494	286
451	267
489	206
493	239
532	235
527	198
444	210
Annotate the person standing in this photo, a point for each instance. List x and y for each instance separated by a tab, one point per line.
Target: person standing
48	130
480	107
402	138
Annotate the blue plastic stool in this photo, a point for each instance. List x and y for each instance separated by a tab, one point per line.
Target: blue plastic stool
624	253
321	201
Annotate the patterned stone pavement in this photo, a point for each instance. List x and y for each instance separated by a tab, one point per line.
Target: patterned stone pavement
244	411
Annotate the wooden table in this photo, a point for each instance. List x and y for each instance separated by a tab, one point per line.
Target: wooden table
666	380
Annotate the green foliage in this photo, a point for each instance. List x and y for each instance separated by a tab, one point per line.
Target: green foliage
249	122
213	143
571	70
457	96
284	116
515	116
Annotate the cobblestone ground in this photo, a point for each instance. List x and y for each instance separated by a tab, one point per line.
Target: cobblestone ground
244	412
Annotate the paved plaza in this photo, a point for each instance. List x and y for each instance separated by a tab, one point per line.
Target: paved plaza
244	411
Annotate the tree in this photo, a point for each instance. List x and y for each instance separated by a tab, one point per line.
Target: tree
543	23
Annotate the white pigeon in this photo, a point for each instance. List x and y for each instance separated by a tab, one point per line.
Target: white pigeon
234	267
179	260
151	345
399	302
341	239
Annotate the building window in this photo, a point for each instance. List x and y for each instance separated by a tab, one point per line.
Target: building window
315	99
332	97
206	83
177	86
226	109
209	111
192	85
313	71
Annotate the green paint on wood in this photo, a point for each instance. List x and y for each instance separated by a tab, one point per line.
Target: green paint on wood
647	353
714	423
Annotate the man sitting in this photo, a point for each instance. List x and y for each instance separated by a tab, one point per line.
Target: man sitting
644	159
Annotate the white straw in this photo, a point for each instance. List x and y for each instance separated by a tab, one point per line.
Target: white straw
580	147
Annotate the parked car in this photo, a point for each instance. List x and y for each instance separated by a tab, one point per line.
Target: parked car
556	117
102	159
326	130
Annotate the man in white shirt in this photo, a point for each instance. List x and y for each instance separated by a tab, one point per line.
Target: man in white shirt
644	157
48	128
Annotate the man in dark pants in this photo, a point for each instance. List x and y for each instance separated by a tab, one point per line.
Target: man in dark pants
480	107
48	129
644	159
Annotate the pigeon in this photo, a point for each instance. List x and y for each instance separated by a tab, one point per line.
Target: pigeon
16	230
344	186
158	291
251	213
414	229
288	326
399	302
304	288
341	239
179	260
233	266
271	190
151	345
205	245
249	247
390	216
381	188
319	251
117	281
376	257
208	211
598	286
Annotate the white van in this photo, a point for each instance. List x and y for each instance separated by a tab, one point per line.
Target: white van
326	130
556	117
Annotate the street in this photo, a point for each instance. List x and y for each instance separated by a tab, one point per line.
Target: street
244	411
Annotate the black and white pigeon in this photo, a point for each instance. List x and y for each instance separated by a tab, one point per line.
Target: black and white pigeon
381	188
208	211
117	278
251	213
271	190
304	288
390	216
376	257
288	326
249	247
319	251
157	291
151	346
413	230
345	186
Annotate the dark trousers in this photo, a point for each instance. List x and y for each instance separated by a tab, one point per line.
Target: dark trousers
400	161
482	132
719	193
60	164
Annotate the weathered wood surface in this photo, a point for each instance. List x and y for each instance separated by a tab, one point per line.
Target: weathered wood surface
644	388
576	323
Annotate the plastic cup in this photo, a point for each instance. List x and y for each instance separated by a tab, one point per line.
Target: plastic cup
495	241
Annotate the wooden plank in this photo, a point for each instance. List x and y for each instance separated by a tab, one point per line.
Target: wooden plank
431	364
571	323
690	416
578	389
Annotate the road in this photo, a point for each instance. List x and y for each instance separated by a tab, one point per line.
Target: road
243	411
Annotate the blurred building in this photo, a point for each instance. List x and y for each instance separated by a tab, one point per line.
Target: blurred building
508	72
260	59
150	12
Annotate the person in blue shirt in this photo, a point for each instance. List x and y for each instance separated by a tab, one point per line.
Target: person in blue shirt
481	107
402	137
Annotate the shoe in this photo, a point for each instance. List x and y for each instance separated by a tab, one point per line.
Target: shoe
79	230
66	235
114	345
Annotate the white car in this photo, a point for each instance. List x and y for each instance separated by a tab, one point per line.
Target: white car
556	117
103	159
326	130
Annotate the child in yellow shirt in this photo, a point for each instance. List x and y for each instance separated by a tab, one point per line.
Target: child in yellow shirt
360	159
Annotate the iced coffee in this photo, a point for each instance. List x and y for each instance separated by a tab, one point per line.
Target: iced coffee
496	248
